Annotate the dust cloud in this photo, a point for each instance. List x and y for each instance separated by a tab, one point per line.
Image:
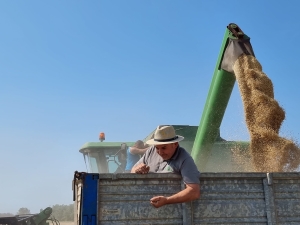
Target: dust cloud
268	151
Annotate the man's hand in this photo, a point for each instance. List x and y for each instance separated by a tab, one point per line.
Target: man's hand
191	192
141	169
158	201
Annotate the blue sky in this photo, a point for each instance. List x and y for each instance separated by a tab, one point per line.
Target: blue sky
72	69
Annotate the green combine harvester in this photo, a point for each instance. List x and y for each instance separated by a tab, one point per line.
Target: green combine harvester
210	152
230	194
42	218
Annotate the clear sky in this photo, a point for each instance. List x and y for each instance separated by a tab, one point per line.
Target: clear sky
72	69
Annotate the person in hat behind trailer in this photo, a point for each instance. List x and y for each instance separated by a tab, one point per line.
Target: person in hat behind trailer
166	156
134	153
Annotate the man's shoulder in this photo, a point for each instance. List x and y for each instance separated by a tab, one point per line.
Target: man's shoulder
149	151
184	153
184	157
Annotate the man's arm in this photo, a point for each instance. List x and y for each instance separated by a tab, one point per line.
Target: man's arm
138	151
191	192
140	166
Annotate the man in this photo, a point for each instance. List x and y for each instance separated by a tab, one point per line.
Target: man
134	154
167	156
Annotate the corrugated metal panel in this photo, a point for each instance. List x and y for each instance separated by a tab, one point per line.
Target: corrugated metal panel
127	201
226	198
230	200
287	198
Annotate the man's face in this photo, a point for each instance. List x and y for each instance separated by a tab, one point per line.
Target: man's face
166	151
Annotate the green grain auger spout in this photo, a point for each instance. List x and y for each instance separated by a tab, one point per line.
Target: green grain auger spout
235	43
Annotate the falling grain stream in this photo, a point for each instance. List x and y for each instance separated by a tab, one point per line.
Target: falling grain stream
268	151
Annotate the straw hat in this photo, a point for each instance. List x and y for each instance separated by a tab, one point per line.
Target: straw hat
164	135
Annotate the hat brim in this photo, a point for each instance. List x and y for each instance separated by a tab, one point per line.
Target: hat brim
153	142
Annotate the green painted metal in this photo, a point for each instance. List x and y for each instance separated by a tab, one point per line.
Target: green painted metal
215	106
42	217
103	145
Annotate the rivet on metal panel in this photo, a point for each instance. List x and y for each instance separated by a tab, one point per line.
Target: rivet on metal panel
269	178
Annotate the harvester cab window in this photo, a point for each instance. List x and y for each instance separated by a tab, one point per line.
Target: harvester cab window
105	157
118	161
93	164
97	162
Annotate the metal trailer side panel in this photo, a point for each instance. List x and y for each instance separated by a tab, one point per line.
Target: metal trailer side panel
231	200
89	199
287	197
126	200
226	198
77	189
